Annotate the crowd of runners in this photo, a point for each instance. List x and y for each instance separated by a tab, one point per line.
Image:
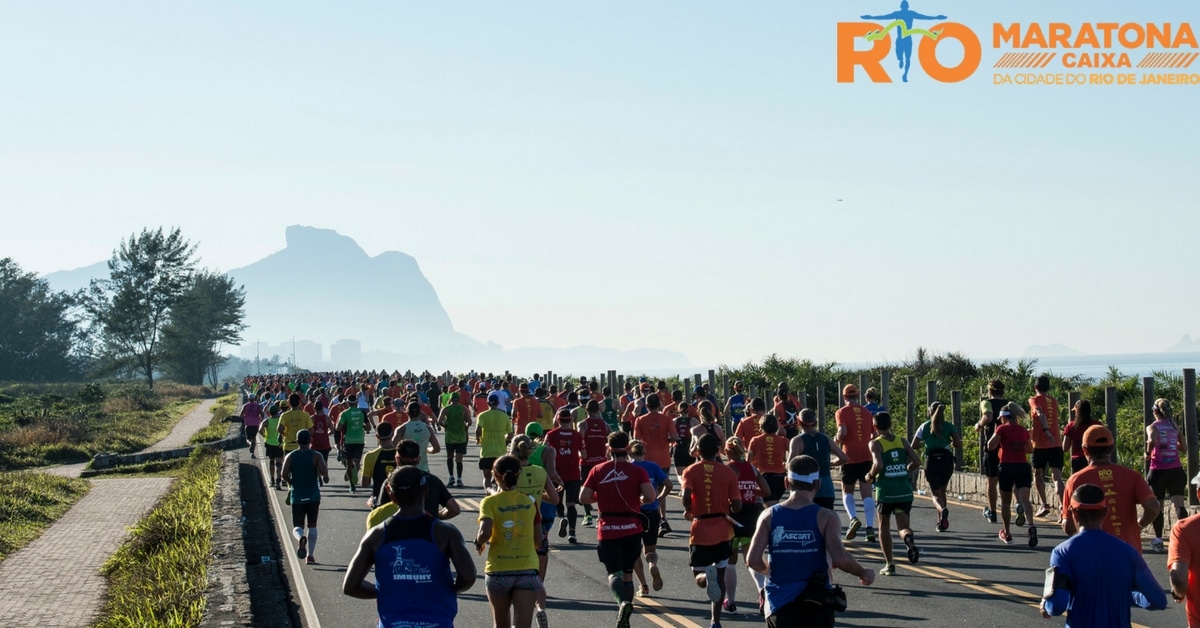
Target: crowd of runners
755	478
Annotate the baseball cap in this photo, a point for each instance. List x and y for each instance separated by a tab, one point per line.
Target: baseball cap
850	390
699	390
303	437
534	430
1097	436
493	400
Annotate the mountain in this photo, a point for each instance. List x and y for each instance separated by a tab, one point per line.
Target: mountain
1050	351
1185	345
322	286
77	279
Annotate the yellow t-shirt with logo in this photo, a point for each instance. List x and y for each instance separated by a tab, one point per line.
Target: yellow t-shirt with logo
514	516
290	423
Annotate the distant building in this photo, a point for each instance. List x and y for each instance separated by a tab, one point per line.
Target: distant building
345	354
309	355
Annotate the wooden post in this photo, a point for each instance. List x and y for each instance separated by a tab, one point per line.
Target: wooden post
1110	415
687	393
1072	399
885	387
840	400
1189	427
863	382
956	413
821	408
1148	400
620	385
802	396
911	387
930	392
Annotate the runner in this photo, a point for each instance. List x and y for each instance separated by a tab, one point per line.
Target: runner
546	418
682	452
821	448
751	488
802	542
1183	561
873	405
937	436
1011	439
710	495
526	408
618	488
536	483
735	407
292	421
543	456
352	425
411	542
438	501
892	460
510	528
303	468
567	444
1166	477
417	429
751	424
379	464
610	410
657	434
492	434
595	432
707	424
1125	488
455	419
1072	440
989	412
768	453
854	435
322	428
661	482
1047	443
787	408
273	446
251	414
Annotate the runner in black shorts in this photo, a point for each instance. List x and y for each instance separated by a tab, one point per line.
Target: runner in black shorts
989	415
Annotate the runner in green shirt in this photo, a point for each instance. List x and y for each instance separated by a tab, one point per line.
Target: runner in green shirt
273	445
892	459
455	419
352	425
937	436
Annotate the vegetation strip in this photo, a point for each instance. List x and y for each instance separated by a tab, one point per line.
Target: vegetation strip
218	427
30	502
159	576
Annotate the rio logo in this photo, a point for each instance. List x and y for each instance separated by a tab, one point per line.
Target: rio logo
900	46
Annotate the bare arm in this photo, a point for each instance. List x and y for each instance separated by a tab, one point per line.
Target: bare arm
831	529
993	443
1150	510
549	495
355	583
286	473
756	555
587	496
434	445
1151	436
1179	580
648	494
456	548
876	460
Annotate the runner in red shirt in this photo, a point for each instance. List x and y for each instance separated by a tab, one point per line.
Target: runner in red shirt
567	444
321	429
595	447
1013	442
619	488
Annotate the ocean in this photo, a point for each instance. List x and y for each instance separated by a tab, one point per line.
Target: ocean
1130	364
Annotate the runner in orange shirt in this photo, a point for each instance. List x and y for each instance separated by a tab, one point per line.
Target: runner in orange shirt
710	496
855	430
1047	443
768	453
1184	562
525	408
751	425
1125	487
657	433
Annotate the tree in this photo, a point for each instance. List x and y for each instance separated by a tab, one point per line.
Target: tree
37	331
208	315
148	275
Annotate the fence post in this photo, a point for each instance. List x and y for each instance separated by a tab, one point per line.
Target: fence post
1148	400
931	391
1110	416
885	385
956	413
1072	399
1189	426
821	408
863	382
911	387
841	401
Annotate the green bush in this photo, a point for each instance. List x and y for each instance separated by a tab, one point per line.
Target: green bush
30	502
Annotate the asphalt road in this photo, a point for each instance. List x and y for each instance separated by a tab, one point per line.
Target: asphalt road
965	576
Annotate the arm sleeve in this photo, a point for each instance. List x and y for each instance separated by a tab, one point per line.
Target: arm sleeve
1057	604
1147	593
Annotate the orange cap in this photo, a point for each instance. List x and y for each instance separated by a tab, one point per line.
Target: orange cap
1097	436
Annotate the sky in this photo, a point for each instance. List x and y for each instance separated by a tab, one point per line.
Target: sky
677	175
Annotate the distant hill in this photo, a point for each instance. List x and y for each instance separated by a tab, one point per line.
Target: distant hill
72	280
1185	345
1050	351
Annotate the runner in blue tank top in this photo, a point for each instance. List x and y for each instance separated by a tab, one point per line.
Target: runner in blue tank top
801	537
412	554
813	443
735	406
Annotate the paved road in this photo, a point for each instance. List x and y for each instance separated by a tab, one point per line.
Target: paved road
964	577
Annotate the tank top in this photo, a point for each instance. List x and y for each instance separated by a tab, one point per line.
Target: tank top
413	576
1164	453
737	407
747	479
817	446
532	481
797	550
416	430
272	431
535	458
610	414
304	477
893	487
683	430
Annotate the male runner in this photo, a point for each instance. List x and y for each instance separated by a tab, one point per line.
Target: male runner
610	410
811	442
787	408
989	412
416	429
438	501
657	433
525	408
567	444
751	424
272	445
352	425
251	414
292	421
304	469
710	495
855	432
492	433
768	453
455	419
1047	443
892	460
595	447
379	464
1125	488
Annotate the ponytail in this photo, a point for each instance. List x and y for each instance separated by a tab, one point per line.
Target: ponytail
937	412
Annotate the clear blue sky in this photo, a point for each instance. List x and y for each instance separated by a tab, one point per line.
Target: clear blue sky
620	174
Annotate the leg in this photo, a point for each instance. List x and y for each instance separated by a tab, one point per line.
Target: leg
939	499
716	606
731	580
458	462
1039	484
450	462
1059	486
848	500
1006	509
1160	492
500	603
903	519
866	490
885	537
992	492
523	602
640	573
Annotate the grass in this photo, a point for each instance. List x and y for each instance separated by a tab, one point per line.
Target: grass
30	502
69	423
159	576
217	428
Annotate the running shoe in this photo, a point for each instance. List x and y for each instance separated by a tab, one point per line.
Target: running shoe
624	611
1157	546
889	569
656	578
644	591
1032	536
870	534
711	586
542	620
353	488
1043	511
715	624
252	455
1005	537
990	515
587	521
339	456
1020	521
852	530
944	523
302	548
562	528
914	553
571	539
460	484
310	561
664	527
450	482
729	607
